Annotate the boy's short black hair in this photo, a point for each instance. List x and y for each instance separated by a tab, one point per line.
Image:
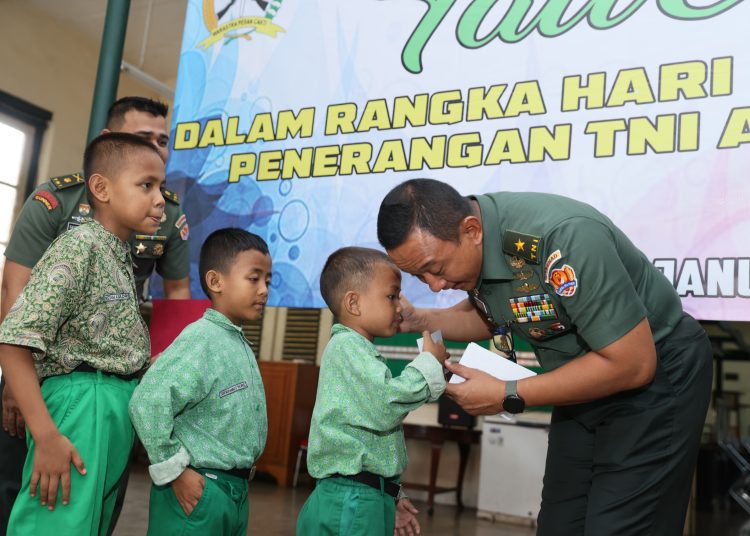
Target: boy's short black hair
425	204
116	113
222	246
107	153
349	268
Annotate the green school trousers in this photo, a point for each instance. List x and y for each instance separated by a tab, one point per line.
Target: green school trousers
222	509
341	507
91	410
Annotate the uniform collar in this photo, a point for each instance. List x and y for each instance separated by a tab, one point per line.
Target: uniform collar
494	265
119	248
340	328
212	315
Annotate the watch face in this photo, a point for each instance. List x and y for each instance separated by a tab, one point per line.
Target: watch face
513	404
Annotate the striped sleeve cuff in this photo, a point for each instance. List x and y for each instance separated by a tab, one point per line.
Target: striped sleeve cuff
432	371
165	472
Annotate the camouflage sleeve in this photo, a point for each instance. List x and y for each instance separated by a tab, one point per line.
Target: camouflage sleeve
174	263
35	229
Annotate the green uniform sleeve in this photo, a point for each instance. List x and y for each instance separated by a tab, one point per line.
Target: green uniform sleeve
51	296
35	229
595	288
175	263
380	402
174	383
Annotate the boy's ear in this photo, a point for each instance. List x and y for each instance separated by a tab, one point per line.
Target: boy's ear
351	303
99	186
214	281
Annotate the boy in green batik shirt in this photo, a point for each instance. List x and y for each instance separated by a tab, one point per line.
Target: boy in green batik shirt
200	410
77	328
356	445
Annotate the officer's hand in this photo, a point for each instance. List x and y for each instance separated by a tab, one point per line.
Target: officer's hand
480	394
412	321
13	421
51	468
406	520
435	348
188	488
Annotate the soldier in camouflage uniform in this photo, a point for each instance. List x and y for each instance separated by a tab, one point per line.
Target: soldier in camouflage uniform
61	204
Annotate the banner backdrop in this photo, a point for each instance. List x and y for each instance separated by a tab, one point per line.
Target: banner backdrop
294	118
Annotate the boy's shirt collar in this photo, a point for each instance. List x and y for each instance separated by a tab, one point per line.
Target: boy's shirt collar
212	315
119	248
341	328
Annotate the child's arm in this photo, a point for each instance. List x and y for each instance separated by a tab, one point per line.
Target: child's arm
53	452
382	402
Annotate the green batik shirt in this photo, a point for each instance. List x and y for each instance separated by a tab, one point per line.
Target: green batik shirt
202	402
61	204
359	407
563	277
79	306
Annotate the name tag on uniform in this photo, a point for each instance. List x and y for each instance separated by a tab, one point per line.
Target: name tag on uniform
233	389
116	297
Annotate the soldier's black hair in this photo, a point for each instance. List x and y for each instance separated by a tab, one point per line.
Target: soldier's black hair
349	268
116	114
222	246
107	153
425	204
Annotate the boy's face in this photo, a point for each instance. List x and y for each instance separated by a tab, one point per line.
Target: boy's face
134	195
379	306
244	287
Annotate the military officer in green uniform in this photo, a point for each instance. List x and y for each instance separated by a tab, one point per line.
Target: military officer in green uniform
61	204
628	372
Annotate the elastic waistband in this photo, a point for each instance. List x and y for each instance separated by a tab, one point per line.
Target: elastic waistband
244	475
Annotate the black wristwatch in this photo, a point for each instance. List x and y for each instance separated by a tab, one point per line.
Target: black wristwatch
512	403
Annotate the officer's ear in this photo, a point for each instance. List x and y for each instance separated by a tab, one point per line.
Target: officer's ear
471	228
351	303
99	187
214	281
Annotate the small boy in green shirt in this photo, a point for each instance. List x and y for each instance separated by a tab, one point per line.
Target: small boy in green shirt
200	410
356	446
76	329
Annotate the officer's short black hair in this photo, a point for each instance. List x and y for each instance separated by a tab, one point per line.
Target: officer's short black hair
349	268
116	114
107	153
424	204
220	249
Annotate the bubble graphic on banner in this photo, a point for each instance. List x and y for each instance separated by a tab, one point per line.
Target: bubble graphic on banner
285	187
294	219
294	253
262	211
273	237
290	286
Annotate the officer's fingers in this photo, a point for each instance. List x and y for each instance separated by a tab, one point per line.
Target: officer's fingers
77	462
52	491
43	484
461	370
65	481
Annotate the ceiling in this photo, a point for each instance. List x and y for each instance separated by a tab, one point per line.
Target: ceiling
154	24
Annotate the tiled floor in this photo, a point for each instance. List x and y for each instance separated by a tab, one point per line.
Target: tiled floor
273	511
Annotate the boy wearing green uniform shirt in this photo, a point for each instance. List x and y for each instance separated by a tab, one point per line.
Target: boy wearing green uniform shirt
356	445
77	327
200	410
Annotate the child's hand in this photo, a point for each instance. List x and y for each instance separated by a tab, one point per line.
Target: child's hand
51	468
435	348
13	421
188	488
406	520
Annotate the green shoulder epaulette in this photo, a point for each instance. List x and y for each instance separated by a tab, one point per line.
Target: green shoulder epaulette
522	245
67	181
171	196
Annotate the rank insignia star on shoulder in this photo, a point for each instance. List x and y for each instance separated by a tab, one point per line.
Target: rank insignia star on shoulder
169	195
67	181
522	245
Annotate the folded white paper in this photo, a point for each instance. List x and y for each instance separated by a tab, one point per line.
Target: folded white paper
493	364
436	336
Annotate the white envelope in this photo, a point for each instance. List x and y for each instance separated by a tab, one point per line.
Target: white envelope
493	364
